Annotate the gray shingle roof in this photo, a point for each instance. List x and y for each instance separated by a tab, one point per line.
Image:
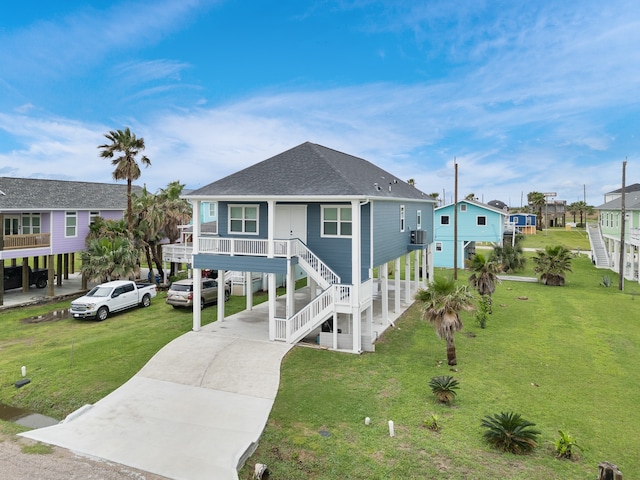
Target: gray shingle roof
38	194
635	187
312	170
631	202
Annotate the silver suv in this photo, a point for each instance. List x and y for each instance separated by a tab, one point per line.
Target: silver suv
180	293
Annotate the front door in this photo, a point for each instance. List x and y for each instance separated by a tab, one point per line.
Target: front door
11	225
291	222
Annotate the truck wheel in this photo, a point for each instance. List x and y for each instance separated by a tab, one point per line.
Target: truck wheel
103	313
146	300
41	282
226	295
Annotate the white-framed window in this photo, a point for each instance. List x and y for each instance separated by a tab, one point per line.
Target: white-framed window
444	220
438	246
243	219
92	217
336	221
70	224
481	220
463	207
30	223
419	220
402	213
213	208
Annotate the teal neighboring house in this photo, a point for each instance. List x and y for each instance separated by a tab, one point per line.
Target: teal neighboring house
610	232
477	222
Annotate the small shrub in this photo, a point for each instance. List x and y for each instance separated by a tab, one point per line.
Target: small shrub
565	444
444	388
510	432
606	281
482	312
432	422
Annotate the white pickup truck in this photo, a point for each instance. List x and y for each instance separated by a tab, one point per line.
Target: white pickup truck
111	297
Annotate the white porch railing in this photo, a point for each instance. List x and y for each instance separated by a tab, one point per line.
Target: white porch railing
312	315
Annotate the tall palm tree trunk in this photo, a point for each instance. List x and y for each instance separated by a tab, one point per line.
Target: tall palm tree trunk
451	351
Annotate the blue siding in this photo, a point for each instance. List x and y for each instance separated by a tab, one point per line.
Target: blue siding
468	231
335	252
365	244
241	263
223	219
389	242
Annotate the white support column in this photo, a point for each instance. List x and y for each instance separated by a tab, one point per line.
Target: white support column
430	261
396	283
425	272
383	272
313	287
271	225
221	287
272	306
407	279
356	275
249	289
197	273
416	270
291	290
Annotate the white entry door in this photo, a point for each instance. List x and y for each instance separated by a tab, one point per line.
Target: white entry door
291	222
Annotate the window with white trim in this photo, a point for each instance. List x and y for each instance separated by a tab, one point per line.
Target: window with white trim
402	212
444	220
93	216
213	206
438	246
419	220
481	220
243	219
30	223
336	221
70	224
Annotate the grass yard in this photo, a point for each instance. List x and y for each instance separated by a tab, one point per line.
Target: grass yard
573	239
563	357
73	362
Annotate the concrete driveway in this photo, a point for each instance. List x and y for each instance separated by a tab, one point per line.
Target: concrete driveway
193	412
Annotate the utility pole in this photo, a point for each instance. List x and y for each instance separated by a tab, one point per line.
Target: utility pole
455	223
622	227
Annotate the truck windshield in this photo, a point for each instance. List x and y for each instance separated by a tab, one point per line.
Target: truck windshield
99	292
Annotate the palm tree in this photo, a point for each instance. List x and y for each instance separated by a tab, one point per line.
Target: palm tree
126	143
109	258
442	303
537	200
485	276
552	264
177	211
148	216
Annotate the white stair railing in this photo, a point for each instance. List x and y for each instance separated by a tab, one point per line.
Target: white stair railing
312	264
311	316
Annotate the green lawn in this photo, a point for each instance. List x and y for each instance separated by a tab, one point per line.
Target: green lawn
564	357
573	239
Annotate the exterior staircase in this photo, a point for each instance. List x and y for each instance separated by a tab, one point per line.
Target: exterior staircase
598	248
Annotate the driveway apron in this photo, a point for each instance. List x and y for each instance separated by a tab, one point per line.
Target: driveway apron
193	412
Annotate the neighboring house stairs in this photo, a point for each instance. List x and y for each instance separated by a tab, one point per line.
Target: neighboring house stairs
598	248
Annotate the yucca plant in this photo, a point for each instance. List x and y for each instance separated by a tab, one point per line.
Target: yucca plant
510	432
444	388
565	444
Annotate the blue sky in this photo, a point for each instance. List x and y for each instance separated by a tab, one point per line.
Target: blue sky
525	96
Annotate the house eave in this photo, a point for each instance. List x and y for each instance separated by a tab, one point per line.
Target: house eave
299	198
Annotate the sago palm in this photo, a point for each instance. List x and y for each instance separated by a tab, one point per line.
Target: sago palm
444	388
443	301
510	432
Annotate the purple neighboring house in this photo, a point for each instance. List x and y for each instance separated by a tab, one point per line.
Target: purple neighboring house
48	220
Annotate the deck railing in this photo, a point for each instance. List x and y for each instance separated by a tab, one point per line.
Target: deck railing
32	240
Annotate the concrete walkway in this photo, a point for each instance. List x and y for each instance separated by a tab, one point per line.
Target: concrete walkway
193	412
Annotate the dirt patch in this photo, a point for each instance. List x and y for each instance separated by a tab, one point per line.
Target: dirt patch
53	316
